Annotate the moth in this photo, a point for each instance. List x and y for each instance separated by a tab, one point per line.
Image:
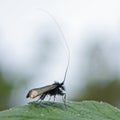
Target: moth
56	88
51	90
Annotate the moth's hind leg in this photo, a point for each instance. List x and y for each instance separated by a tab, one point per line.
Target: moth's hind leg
54	98
64	98
38	99
49	98
41	98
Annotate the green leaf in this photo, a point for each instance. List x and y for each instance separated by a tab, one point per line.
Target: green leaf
85	110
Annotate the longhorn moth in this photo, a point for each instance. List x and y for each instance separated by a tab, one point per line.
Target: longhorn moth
56	88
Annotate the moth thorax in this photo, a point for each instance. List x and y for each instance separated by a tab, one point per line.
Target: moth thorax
33	94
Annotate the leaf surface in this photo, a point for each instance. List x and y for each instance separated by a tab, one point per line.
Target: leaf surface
85	110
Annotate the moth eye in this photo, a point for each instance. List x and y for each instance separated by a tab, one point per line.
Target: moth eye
33	94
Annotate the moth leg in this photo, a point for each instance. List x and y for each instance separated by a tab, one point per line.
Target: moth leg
42	97
54	98
49	98
38	99
64	98
41	100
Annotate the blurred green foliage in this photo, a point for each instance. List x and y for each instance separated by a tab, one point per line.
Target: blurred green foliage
5	92
107	91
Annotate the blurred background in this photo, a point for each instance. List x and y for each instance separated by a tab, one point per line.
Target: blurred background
33	52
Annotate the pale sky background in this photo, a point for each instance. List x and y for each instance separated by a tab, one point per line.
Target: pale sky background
78	19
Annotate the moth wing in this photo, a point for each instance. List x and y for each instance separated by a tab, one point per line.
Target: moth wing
45	89
39	91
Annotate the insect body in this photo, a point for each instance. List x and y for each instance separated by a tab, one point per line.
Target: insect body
51	90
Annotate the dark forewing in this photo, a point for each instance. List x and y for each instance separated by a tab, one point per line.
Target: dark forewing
45	89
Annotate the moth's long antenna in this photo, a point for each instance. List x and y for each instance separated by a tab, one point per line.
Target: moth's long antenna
66	45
